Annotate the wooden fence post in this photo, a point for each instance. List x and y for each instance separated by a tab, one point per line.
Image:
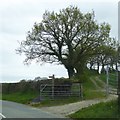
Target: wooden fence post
40	92
53	80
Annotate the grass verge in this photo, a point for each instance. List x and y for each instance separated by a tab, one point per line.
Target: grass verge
19	97
89	92
26	98
56	102
100	110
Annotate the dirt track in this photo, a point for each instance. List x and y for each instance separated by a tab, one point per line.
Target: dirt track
67	109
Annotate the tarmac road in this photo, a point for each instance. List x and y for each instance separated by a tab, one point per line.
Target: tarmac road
16	110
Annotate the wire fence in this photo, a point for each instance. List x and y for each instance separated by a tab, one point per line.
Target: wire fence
112	83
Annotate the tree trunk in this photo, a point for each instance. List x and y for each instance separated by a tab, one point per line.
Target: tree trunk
102	70
98	67
91	65
70	71
116	66
80	68
112	68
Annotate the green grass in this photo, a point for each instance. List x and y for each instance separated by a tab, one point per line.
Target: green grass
112	79
100	110
24	98
0	96
102	77
112	76
56	102
89	92
100	84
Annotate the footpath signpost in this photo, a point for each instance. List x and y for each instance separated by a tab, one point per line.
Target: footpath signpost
53	80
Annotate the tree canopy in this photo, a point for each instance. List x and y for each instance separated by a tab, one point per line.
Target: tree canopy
69	37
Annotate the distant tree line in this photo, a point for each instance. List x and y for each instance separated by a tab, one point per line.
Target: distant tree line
107	56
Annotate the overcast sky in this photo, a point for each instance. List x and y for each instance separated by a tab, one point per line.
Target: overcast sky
17	18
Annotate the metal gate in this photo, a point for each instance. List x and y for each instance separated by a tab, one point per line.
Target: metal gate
50	91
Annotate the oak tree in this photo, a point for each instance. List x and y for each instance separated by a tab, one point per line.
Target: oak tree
68	38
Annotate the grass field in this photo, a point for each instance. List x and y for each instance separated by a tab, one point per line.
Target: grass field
101	110
55	102
89	92
24	98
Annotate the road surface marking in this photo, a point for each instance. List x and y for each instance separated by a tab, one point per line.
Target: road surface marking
2	115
